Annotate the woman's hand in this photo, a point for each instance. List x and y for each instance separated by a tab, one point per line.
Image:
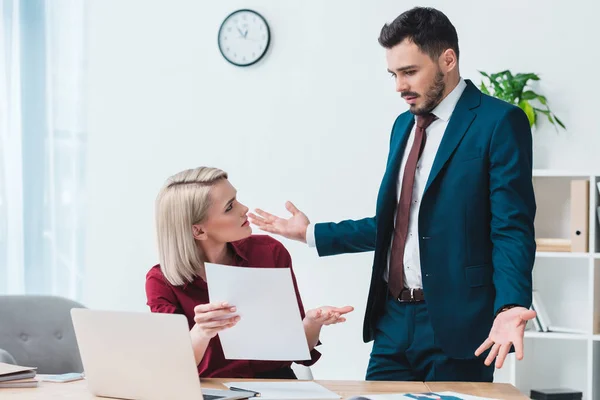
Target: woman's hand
327	315
213	318
317	318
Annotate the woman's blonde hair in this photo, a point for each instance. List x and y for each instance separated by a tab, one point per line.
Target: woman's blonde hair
182	202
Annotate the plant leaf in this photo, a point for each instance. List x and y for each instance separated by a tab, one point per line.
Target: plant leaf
498	91
498	74
529	95
527	76
546	112
542	100
511	88
484	89
529	111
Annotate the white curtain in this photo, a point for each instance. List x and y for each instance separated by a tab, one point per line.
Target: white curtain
42	146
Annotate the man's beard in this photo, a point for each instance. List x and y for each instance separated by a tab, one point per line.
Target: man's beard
433	97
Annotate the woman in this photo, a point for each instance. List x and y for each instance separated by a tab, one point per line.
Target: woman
198	220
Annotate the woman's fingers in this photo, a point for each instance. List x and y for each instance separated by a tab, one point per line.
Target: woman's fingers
218	323
218	314
213	331
344	310
334	319
202	308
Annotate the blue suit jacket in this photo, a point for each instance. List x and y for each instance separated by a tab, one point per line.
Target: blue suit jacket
476	232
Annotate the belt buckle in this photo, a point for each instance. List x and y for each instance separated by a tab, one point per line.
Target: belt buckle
412	296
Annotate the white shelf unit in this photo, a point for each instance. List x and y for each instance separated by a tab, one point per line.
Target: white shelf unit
569	287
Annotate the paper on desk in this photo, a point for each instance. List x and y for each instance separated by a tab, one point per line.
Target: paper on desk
10	372
270	326
10	369
420	396
286	390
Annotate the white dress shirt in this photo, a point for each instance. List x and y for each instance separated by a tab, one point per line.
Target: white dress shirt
435	132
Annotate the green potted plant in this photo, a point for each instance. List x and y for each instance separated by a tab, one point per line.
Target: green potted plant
515	90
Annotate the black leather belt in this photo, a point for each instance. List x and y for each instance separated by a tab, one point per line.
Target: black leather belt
411	296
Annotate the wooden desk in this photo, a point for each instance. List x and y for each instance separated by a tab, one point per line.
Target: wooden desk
78	390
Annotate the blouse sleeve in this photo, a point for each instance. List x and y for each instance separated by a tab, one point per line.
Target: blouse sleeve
160	296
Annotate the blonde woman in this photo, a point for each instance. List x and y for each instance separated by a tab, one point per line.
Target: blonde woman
198	220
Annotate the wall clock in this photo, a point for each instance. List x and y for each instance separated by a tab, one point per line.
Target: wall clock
244	37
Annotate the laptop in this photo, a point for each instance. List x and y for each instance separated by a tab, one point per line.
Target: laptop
140	355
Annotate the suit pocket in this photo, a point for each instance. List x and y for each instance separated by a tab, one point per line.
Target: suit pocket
479	275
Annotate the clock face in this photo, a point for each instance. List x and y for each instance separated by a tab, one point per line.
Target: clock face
244	37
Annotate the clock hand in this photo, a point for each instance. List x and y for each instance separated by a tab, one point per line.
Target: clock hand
241	34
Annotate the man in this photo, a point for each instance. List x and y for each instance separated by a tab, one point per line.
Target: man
453	233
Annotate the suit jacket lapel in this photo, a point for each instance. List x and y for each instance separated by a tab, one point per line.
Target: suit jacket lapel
459	123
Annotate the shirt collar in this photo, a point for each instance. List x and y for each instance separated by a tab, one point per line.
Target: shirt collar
240	250
242	259
444	110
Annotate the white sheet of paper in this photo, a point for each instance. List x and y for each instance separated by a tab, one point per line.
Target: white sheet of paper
270	325
286	390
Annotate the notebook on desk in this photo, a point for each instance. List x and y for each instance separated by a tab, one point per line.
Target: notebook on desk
136	355
286	390
13	376
10	372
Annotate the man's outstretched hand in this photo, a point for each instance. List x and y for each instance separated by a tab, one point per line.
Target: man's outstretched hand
292	228
508	330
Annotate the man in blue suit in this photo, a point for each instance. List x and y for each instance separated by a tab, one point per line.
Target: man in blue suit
453	233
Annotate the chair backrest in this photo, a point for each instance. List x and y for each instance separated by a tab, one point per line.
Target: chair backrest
38	332
6	357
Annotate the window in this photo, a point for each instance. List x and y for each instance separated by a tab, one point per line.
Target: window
42	146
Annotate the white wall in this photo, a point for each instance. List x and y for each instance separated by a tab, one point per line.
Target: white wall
309	123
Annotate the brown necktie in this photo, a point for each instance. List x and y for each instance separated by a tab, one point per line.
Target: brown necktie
396	270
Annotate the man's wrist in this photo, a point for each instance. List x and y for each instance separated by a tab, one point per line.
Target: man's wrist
309	235
505	308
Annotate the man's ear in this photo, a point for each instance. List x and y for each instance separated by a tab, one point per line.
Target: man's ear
198	232
448	60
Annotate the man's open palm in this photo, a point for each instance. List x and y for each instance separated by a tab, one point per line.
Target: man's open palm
292	228
508	330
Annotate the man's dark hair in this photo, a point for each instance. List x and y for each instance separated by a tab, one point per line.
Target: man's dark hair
426	27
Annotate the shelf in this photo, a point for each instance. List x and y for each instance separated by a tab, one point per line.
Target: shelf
550	173
548	363
556	335
569	287
563	254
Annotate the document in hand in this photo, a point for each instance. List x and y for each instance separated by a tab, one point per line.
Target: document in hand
286	390
270	325
420	396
